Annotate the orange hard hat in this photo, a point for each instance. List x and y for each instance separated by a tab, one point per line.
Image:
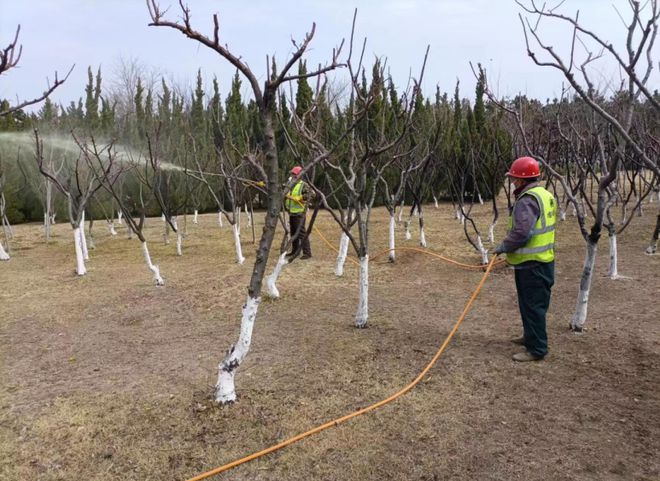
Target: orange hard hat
296	170
524	168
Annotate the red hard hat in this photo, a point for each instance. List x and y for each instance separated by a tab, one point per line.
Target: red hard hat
524	168
296	170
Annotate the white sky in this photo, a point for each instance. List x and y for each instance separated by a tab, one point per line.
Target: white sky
58	33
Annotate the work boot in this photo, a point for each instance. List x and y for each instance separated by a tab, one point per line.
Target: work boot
525	357
519	340
305	256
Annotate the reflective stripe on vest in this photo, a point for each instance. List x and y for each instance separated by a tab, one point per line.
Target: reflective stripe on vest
540	246
294	204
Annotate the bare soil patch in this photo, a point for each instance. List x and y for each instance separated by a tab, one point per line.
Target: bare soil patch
108	377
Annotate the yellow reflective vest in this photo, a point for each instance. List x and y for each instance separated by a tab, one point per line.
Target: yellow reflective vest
541	245
294	201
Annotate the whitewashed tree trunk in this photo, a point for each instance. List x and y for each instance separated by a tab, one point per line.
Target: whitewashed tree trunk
3	253
158	280
562	213
80	260
237	243
341	256
491	232
580	315
179	243
83	238
195	217
111	228
119	217
166	232
415	212
482	250
47	226
225	391
248	216
435	202
407	226
362	314
271	280
401	210
392	254
481	200
613	269
422	237
220	219
130	234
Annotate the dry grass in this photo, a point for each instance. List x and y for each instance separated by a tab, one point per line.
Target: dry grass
107	377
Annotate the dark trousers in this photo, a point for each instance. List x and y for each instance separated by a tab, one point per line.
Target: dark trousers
299	235
533	285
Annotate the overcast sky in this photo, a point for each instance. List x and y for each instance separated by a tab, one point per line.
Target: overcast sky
56	34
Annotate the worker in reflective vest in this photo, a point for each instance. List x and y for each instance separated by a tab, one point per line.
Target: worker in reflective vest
296	204
529	248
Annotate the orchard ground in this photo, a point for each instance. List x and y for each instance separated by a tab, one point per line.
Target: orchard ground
107	377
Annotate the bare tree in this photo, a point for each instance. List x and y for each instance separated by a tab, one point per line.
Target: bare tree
9	58
78	185
265	98
641	36
6	228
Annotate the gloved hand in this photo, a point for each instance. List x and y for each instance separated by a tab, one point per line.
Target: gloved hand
499	250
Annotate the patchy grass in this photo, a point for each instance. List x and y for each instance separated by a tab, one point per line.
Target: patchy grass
107	377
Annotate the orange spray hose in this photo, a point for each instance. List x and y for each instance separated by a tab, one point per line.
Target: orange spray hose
367	409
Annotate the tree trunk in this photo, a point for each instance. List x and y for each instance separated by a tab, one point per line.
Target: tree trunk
422	236
179	243
119	217
651	249
392	254
237	243
341	256
613	269
80	259
407	225
580	315
111	228
435	202
220	219
362	314
225	391
491	232
482	250
158	280
271	280
195	216
3	254
166	231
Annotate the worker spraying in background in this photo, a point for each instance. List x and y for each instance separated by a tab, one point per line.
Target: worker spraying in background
296	203
529	248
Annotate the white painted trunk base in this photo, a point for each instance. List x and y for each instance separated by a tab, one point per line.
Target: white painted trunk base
80	260
271	280
435	202
362	314
119	218
158	280
179	244
237	243
248	217
111	228
341	256
401	211
408	236
482	250
580	315
83	239
220	219
481	200
422	237
491	232
225	390
3	253
195	215
392	244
